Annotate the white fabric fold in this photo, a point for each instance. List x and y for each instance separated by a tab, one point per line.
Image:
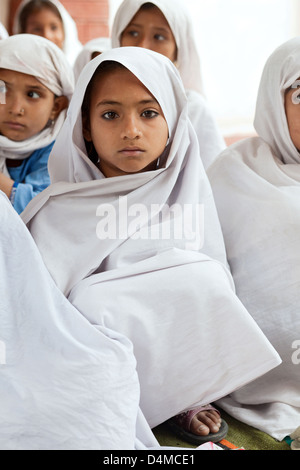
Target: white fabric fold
172	297
256	184
94	45
65	384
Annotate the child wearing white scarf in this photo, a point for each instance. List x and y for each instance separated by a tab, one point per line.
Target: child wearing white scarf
45	64
188	63
256	184
172	296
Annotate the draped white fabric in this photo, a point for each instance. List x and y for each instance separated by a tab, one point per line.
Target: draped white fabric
65	384
256	184
94	45
36	56
72	46
172	297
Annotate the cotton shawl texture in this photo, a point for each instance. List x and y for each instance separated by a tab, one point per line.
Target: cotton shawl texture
174	297
65	385
36	56
256	184
189	65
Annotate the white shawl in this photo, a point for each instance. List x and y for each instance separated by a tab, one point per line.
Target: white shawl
34	55
256	184
173	296
65	385
95	45
72	46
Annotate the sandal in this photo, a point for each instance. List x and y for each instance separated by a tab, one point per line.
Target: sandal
180	425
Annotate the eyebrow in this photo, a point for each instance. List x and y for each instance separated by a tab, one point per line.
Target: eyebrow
115	103
137	25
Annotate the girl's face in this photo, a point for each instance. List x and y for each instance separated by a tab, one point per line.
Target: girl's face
45	23
150	29
126	124
292	112
28	105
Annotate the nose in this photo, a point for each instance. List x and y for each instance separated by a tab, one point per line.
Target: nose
48	34
144	42
131	129
15	105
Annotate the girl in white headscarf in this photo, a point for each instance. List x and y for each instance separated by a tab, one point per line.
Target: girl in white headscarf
256	183
129	232
89	51
165	26
37	85
50	19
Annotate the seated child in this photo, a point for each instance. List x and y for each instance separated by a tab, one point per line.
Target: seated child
37	85
50	19
121	232
256	184
165	26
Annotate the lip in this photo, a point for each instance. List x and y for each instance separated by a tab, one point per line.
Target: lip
14	125
132	151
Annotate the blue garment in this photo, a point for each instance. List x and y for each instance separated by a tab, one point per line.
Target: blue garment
32	177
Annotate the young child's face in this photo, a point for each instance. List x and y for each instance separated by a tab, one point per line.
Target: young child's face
127	125
150	29
292	112
28	106
45	23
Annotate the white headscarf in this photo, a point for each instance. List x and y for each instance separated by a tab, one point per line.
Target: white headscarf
72	46
172	297
3	32
256	184
280	71
95	45
178	17
35	55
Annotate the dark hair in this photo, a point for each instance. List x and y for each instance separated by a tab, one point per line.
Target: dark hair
36	6
106	66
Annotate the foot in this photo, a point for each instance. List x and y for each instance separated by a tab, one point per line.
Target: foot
205	422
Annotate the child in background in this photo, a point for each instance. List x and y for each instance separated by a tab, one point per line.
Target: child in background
37	85
126	180
165	26
89	51
50	19
256	184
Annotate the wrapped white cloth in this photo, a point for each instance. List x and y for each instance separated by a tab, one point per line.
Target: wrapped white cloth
72	46
172	297
188	63
85	55
36	56
3	32
65	384
256	184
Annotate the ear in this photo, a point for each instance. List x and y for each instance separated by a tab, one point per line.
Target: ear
60	103
86	131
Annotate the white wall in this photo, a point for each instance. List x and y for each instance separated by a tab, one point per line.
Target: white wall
235	38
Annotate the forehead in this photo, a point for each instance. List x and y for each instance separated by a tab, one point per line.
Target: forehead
119	82
150	16
19	78
43	15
